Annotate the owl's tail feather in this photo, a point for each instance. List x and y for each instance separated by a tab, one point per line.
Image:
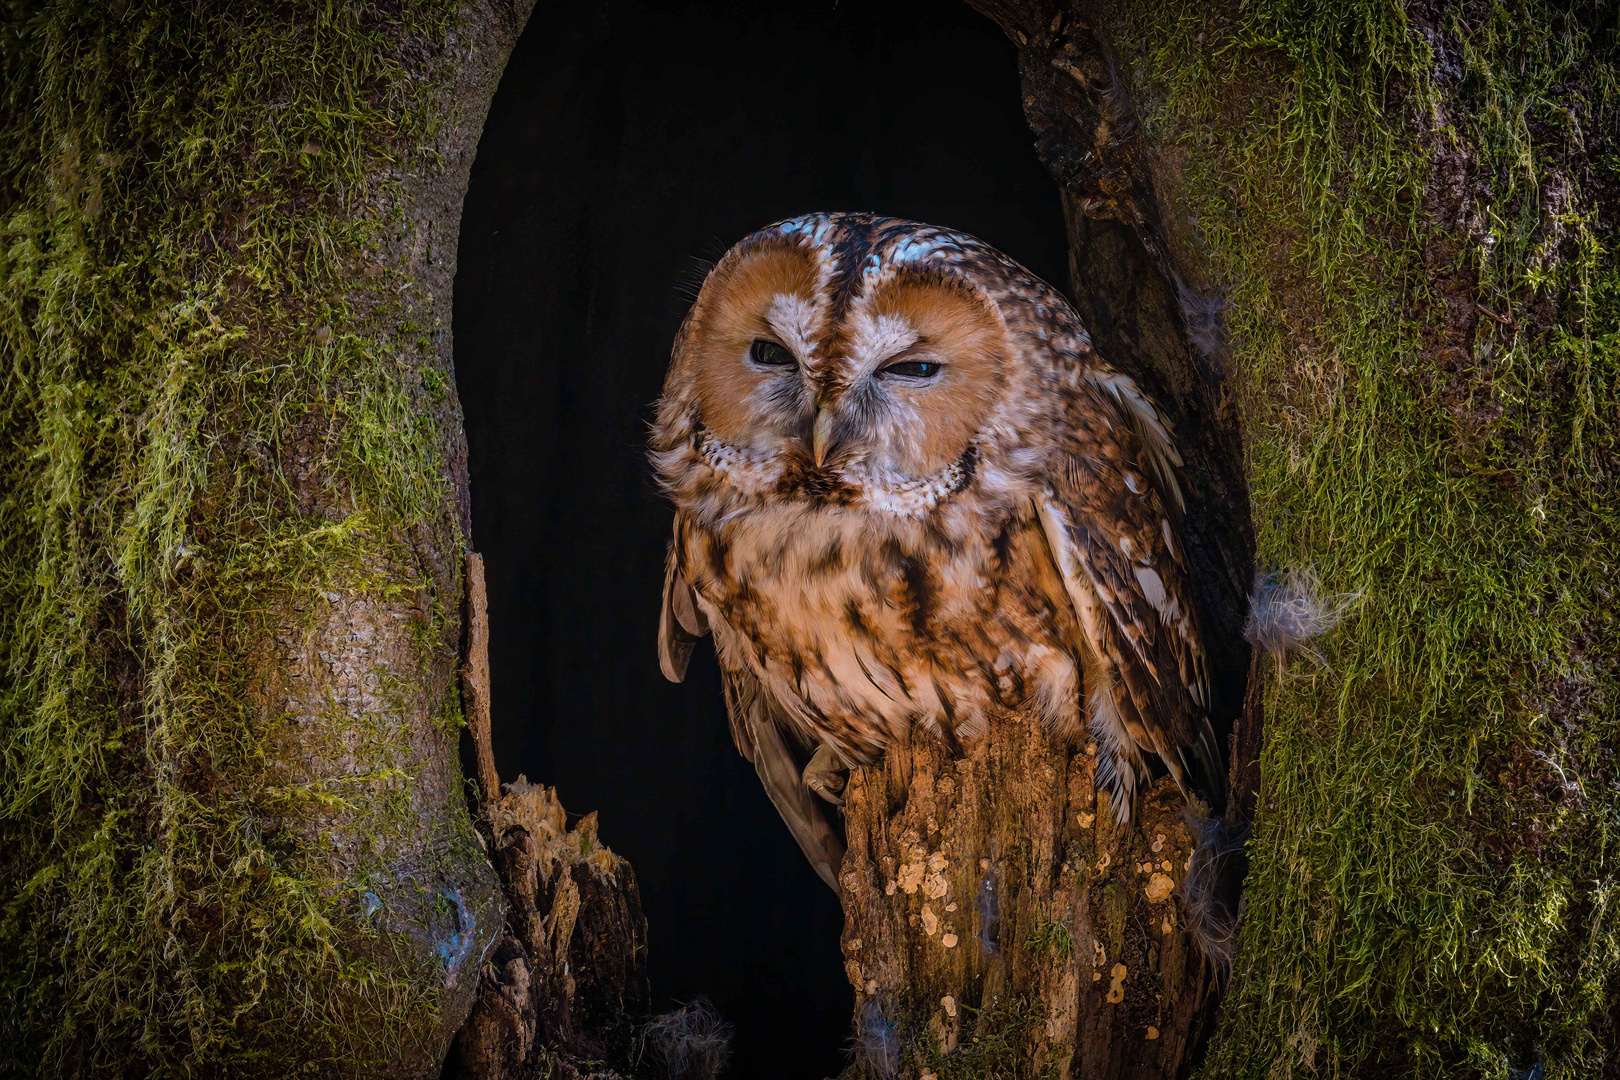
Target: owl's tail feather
1201	764
1212	893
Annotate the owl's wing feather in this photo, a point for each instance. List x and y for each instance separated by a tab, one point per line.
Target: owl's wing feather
756	726
1106	513
758	731
680	623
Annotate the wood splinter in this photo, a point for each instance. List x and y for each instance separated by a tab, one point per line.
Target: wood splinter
475	678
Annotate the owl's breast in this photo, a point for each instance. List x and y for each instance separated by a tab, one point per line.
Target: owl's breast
862	625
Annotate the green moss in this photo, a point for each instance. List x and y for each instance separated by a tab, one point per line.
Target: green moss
215	408
1433	881
992	1043
1052	940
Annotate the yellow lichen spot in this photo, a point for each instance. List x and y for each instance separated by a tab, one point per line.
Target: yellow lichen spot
950	1005
888	890
927	1074
1165	866
1152	1033
1091	749
1096	976
937	862
1086	820
930	921
1116	989
871	988
950	907
1145	868
1102	954
1158	842
1167	925
854	945
1159	888
935	886
949	941
911	875
984	864
1108	857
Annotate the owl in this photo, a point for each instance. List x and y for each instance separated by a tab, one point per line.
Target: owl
908	493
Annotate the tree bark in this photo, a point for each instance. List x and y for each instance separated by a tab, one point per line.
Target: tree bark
1000	923
233	832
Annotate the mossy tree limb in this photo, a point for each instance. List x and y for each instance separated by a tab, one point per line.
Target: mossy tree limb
233	836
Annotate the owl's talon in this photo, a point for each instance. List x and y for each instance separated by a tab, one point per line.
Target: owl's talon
826	775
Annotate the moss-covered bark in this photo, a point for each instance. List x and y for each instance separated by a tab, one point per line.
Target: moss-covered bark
233	837
1392	227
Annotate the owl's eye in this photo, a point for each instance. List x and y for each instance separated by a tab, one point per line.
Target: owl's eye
770	354
913	369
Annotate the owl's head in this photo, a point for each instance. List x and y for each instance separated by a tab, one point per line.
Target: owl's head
841	357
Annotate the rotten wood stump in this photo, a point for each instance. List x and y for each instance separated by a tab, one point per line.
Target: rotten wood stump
565	990
999	922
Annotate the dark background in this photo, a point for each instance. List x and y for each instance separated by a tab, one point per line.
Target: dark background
629	142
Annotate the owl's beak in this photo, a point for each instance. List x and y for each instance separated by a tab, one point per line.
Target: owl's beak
821	436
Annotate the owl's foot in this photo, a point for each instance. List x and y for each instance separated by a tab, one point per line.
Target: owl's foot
826	775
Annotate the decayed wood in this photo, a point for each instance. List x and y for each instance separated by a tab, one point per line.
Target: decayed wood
566	985
997	918
475	678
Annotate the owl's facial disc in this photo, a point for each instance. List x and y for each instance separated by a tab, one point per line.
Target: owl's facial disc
896	386
752	333
922	370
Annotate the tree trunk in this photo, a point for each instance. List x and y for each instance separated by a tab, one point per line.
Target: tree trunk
1000	923
1363	256
233	831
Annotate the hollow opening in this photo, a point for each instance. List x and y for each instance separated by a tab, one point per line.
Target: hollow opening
628	142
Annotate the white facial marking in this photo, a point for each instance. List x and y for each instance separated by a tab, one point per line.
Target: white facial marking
794	320
877	339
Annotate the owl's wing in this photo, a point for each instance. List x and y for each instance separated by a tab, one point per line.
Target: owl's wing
756	727
680	622
1108	513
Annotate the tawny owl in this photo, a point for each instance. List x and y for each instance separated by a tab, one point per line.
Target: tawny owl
908	492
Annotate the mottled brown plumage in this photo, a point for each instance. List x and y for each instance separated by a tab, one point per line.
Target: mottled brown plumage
907	493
